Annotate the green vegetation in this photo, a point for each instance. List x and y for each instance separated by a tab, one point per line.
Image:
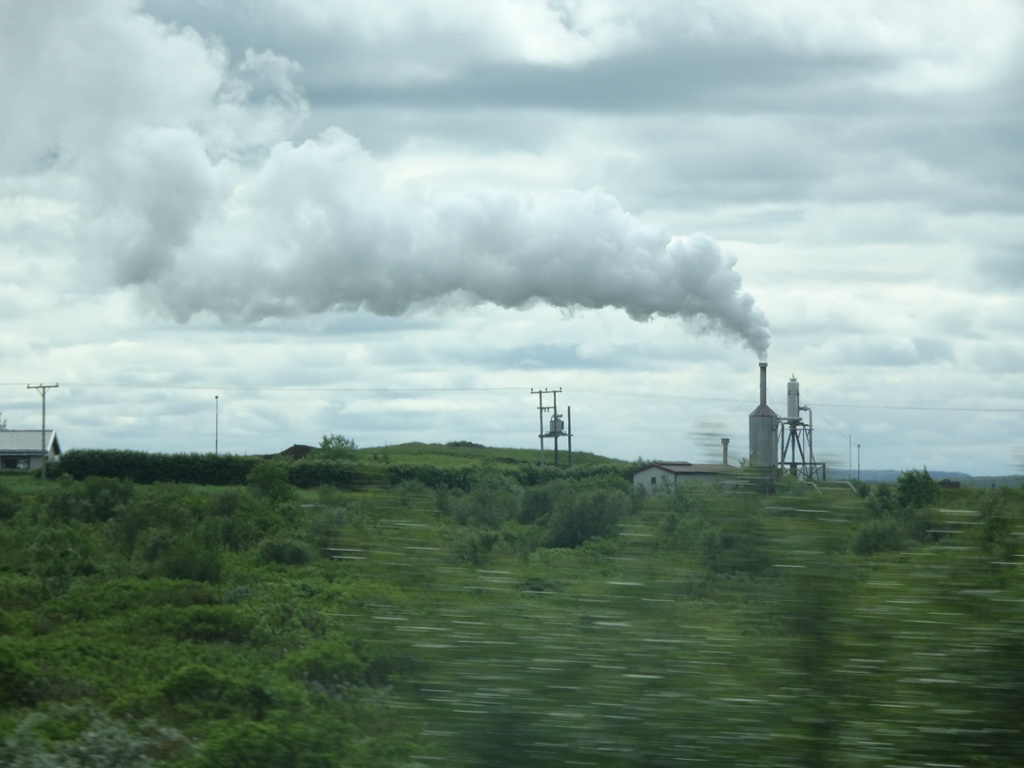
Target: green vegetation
482	610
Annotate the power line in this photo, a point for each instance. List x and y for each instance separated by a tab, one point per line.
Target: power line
612	393
921	408
219	388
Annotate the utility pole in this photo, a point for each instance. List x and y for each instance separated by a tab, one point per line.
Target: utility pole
216	425
568	412
42	436
556	422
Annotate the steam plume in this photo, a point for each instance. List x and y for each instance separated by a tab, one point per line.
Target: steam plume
313	230
208	204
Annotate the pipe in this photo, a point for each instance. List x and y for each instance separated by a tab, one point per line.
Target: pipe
764	383
725	450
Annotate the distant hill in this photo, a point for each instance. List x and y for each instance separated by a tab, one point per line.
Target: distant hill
466	453
890	476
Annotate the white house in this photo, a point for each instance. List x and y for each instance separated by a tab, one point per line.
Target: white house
665	474
23	449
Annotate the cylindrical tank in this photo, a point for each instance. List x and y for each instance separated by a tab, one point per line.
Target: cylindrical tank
764	448
793	400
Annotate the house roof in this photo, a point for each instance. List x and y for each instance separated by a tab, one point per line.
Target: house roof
687	468
27	441
297	451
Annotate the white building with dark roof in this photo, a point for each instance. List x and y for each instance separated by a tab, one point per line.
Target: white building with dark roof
24	449
660	475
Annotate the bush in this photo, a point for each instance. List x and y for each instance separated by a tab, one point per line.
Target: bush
162	506
200	623
495	498
472	546
1000	533
580	515
269	481
92	500
199	691
10	502
314	741
189	560
884	535
916	489
329	667
285	551
687	517
19	678
81	737
736	544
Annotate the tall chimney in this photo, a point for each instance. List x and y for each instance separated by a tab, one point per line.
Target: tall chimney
764	449
725	450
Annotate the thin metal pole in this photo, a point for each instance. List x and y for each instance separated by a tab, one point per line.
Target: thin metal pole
216	425
568	412
42	435
554	422
540	422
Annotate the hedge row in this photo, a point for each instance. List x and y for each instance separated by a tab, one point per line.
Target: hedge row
229	469
145	468
338	473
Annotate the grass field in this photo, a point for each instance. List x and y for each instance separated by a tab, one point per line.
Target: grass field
461	454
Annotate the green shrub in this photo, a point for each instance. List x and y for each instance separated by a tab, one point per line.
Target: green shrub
538	504
269	481
736	543
316	740
687	516
92	500
580	515
329	666
83	737
10	502
915	489
187	559
471	545
199	691
60	552
884	535
494	498
20	592
200	623
18	678
285	551
162	506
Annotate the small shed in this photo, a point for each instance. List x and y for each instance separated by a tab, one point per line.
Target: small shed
659	475
24	449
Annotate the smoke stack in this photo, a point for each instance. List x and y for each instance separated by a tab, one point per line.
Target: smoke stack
763	425
725	450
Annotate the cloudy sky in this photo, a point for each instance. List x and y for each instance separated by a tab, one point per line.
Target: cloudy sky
256	223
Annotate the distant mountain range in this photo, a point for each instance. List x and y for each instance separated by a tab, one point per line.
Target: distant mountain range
890	475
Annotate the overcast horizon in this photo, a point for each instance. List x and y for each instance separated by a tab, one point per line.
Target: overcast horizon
395	221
